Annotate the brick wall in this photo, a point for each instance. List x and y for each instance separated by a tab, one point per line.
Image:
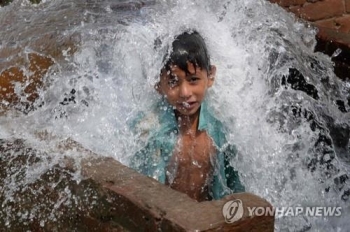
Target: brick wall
334	14
332	18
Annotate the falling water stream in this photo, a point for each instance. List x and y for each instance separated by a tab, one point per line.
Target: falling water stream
286	111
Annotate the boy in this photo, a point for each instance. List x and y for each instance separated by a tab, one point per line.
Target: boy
185	146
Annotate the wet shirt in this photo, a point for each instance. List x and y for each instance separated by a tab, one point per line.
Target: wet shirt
158	131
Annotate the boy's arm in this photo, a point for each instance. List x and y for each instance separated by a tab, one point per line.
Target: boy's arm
139	161
148	161
232	176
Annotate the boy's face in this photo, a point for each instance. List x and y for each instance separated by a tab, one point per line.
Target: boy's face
186	92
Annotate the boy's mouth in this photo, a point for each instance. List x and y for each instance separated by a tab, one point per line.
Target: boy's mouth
188	105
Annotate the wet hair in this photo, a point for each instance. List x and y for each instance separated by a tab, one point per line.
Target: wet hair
188	47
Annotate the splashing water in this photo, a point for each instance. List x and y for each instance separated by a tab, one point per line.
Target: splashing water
286	111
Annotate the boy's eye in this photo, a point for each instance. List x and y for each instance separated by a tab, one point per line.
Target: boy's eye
193	79
173	81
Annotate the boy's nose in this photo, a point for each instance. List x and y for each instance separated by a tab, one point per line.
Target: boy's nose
185	90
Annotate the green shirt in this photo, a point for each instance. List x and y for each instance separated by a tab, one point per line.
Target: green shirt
158	132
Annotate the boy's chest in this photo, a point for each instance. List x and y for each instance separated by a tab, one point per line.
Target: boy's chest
190	168
194	150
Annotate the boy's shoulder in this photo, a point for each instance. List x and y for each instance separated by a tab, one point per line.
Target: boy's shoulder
212	124
154	122
145	122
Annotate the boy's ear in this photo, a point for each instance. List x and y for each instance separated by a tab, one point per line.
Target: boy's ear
211	75
157	87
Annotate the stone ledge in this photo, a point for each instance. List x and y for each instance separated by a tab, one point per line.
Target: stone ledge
154	206
110	197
